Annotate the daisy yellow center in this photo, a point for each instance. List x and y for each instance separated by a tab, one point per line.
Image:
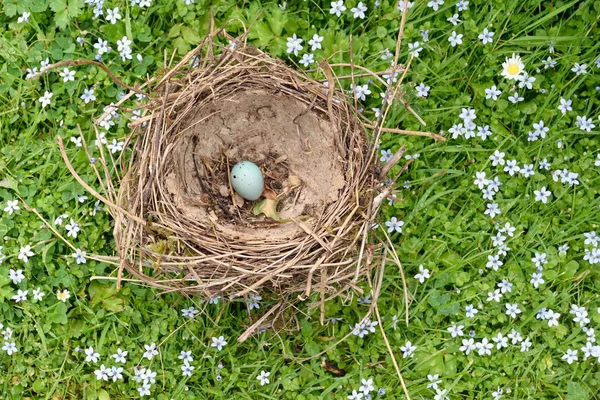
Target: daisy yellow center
513	69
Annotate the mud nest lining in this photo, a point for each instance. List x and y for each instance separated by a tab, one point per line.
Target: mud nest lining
180	226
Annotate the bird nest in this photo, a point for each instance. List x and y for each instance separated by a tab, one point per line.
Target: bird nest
180	226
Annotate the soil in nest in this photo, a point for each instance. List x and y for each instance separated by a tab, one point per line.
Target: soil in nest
294	149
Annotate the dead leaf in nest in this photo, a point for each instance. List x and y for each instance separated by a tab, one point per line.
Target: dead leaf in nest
281	159
332	367
239	200
269	194
294	180
267	207
223	190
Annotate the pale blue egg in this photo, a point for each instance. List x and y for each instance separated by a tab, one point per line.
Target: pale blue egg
247	180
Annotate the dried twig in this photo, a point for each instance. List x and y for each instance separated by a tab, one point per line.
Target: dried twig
75	63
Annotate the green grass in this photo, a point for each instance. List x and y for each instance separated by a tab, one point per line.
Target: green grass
445	228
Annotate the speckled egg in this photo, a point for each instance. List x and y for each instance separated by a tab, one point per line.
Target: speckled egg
247	180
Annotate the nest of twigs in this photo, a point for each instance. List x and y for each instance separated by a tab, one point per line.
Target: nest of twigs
178	223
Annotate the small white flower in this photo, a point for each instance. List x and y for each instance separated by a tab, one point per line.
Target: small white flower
10	348
486	36
120	356
63	296
454	20
72	229
497	158
470	311
219	342
367	386
591	238
511	167
186	356
492	210
102	46
151	351
24	17
584	123
294	44
501	341
565	105
394	225
115	146
570	356
16	276
20	296
467	114
455	39
76	140
456	330
423	274
45	99
515	98
144	390
526	81
355	395
512	309
254	301
123	46
38	294
337	7
315	42
91	355
408	349
362	91
422	90
552	318
7	333
67	75
24	253
414	49
386	155
88	95
513	67
115	373
484	347
481	180
579	69
484	131
359	10
468	345
494	296
527	170
186	369
307	59
462	5
11	206
113	15
494	262
102	373
79	256
189	312
435	4
542	194
525	345
536	279
492	93
515	337
548	63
